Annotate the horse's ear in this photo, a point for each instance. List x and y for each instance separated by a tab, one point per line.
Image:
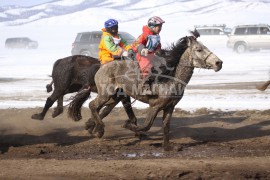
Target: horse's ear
195	33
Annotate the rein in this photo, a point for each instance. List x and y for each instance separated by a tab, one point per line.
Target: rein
186	65
206	58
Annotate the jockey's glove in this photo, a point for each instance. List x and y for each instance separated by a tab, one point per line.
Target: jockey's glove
144	52
125	53
131	54
158	52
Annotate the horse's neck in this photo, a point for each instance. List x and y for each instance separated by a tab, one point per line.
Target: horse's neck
184	69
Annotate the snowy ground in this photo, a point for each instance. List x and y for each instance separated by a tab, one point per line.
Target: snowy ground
25	73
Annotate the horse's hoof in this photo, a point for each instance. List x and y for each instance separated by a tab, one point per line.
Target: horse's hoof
170	147
141	135
90	126
129	125
99	134
99	131
126	124
87	125
56	112
37	117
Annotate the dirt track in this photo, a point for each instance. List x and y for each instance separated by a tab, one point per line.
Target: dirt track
208	145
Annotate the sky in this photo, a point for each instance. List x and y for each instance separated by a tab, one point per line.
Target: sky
24	3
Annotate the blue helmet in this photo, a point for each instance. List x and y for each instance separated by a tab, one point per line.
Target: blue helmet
110	23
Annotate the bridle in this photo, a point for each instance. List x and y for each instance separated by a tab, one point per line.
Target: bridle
190	60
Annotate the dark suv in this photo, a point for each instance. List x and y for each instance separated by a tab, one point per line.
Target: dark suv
21	42
86	43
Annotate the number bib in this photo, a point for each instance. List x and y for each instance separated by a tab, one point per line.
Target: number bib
153	42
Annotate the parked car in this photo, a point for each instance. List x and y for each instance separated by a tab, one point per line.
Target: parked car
21	42
215	35
249	37
86	43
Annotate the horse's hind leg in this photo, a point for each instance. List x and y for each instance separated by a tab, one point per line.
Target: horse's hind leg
132	121
59	109
49	102
95	107
90	124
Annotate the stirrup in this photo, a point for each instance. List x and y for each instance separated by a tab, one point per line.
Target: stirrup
146	90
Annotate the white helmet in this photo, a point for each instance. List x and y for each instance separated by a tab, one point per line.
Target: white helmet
154	21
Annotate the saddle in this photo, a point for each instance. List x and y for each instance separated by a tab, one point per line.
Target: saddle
131	56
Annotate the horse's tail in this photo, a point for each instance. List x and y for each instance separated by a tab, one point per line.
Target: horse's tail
49	87
263	86
74	109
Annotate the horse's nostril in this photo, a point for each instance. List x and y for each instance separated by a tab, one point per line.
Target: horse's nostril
218	63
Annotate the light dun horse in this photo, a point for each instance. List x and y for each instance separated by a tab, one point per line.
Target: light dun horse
182	57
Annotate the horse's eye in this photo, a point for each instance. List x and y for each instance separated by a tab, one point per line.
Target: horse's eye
199	50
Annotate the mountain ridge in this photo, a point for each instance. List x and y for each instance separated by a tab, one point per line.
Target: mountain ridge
16	15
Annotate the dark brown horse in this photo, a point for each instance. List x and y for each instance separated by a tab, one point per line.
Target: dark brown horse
73	74
69	74
183	57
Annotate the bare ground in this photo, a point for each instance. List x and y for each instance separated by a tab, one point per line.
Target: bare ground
208	145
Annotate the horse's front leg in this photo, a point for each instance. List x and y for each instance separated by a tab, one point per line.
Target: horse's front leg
49	102
131	123
167	114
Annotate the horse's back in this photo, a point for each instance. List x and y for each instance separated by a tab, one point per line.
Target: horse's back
85	60
76	59
119	68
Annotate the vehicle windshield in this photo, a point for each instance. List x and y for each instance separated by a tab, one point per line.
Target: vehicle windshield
227	30
126	36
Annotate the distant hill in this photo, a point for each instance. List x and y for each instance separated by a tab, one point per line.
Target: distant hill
126	9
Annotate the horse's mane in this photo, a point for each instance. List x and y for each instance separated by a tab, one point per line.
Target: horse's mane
173	53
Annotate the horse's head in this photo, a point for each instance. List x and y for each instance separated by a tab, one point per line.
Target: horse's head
200	56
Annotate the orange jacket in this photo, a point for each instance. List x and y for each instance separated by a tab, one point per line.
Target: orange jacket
108	49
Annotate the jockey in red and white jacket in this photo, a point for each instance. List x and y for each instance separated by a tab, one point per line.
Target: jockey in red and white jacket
147	44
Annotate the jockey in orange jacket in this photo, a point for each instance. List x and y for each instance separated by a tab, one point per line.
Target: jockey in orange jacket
145	46
112	46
